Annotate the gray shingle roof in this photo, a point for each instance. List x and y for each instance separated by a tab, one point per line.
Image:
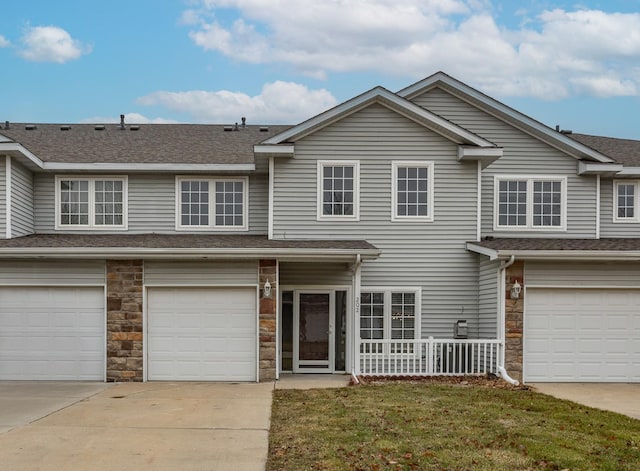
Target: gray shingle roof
624	151
178	241
151	143
509	244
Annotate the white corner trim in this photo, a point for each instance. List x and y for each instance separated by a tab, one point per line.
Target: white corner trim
479	203
598	183
271	198
8	185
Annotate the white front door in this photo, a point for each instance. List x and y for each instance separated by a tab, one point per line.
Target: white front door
313	331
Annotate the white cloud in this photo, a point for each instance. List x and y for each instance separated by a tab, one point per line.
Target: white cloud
551	55
129	118
51	44
4	42
279	102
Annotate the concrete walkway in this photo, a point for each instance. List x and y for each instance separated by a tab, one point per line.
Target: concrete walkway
623	398
145	426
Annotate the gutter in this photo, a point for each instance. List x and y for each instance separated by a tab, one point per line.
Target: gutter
502	372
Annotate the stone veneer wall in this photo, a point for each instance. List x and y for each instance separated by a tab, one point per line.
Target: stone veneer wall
124	320
514	322
267	316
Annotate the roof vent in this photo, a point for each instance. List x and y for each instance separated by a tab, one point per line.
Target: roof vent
134	128
6	125
264	128
228	128
30	127
566	131
66	127
122	126
244	122
99	127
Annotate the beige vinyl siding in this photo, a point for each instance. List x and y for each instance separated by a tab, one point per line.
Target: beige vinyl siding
152	204
582	274
200	273
428	255
488	298
21	200
314	274
52	273
3	196
523	155
608	228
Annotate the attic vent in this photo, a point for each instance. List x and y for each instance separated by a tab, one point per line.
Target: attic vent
264	128
30	127
228	128
66	127
134	128
99	127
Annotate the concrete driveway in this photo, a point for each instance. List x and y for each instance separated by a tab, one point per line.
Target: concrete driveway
159	426
623	398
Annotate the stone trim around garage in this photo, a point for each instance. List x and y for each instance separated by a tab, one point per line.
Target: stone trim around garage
268	325
124	320
514	321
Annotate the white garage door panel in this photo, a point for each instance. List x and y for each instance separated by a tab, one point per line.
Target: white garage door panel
574	335
52	333
201	334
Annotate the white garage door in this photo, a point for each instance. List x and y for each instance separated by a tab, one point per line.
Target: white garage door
201	334
582	335
52	333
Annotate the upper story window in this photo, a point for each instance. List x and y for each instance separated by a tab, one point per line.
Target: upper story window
338	189
412	191
91	202
212	203
626	200
524	203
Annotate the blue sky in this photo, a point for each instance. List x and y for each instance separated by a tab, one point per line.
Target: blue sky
576	64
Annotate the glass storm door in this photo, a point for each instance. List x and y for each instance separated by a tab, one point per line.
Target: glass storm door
313	347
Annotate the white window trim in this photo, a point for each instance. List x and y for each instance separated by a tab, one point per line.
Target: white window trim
394	190
212	226
356	190
92	208
529	226
386	334
636	202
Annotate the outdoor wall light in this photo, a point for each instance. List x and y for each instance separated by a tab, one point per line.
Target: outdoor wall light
266	290
515	290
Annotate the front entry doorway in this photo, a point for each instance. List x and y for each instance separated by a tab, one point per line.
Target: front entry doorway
313	330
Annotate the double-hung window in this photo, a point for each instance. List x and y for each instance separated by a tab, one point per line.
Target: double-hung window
211	203
412	191
91	202
338	190
626	200
525	203
390	314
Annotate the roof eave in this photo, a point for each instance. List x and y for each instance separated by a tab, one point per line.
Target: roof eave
274	150
591	168
575	255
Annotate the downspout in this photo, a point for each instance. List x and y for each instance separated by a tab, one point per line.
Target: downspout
356	278
502	372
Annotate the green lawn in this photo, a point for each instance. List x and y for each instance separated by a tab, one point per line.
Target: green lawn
424	426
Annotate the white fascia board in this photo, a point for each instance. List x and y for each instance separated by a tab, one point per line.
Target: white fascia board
486	155
19	148
592	168
279	150
577	255
147	167
391	100
503	109
629	172
179	253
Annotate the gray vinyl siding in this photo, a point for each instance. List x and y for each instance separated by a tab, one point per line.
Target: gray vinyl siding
52	273
608	228
3	196
582	274
152	204
523	155
488	298
200	273
427	255
21	200
314	274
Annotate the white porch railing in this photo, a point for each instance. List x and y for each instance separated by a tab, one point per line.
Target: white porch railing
429	357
